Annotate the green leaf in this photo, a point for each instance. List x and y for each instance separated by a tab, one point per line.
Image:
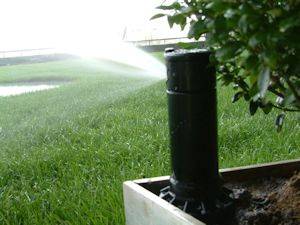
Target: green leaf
175	5
243	24
228	51
246	8
289	23
253	107
253	90
263	81
220	26
177	18
170	21
279	121
247	96
267	108
251	62
242	84
237	96
249	22
197	29
217	5
276	12
270	58
159	15
230	13
227	78
253	79
257	39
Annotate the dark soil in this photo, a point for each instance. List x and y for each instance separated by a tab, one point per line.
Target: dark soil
272	201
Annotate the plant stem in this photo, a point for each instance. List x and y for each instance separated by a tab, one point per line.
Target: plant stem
275	92
285	109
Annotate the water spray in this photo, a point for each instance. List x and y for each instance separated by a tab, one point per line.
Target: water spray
195	185
119	52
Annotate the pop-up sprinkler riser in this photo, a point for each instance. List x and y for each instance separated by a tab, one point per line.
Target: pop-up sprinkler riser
195	185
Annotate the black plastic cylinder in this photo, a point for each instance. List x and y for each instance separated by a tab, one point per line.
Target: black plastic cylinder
191	90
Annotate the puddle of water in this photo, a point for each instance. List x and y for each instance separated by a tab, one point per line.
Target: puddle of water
21	89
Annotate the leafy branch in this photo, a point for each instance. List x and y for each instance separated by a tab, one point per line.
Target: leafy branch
256	46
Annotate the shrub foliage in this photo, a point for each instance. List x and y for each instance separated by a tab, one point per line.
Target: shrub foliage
255	43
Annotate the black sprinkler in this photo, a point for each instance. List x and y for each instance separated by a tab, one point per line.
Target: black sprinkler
195	185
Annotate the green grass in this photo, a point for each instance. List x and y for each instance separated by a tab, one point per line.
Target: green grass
158	55
65	152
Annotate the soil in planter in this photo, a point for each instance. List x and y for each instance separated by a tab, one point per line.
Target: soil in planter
272	201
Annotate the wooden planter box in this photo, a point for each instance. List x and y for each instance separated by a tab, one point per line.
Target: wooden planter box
144	207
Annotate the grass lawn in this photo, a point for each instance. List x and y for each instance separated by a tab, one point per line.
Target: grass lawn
65	152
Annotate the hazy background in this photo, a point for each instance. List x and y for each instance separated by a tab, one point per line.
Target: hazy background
55	23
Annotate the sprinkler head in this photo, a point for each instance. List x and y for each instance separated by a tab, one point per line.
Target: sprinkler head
167	50
195	185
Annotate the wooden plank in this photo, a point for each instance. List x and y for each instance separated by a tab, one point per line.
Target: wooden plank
275	169
142	207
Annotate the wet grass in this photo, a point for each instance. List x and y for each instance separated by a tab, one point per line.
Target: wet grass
65	152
